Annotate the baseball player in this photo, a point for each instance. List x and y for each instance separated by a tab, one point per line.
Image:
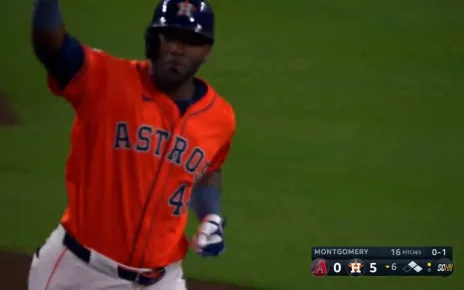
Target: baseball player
148	142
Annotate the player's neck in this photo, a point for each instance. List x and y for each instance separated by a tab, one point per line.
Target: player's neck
183	92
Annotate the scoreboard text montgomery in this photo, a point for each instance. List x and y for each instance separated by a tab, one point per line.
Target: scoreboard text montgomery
341	251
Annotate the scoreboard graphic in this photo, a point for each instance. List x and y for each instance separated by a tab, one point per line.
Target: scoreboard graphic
382	261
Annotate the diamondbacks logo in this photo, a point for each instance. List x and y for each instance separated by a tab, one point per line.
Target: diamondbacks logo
186	9
319	268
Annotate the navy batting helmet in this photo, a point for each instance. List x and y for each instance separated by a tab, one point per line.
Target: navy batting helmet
193	15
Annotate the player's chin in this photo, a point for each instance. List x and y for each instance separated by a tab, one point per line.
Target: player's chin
172	80
175	77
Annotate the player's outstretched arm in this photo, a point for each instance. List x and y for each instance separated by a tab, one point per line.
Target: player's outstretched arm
61	54
47	25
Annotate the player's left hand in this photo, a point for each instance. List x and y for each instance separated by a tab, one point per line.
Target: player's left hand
209	238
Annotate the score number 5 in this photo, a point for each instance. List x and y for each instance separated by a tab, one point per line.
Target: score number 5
373	268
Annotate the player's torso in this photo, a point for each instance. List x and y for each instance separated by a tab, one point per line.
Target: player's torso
133	162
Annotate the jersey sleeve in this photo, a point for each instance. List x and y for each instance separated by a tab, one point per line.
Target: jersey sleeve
220	157
84	83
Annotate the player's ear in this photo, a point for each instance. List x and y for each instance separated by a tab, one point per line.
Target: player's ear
206	53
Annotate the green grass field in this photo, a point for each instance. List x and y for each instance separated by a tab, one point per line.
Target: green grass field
350	131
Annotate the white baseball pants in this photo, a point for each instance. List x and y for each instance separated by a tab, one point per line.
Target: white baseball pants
57	268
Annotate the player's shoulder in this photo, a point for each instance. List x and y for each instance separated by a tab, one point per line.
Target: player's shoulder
96	54
111	61
224	107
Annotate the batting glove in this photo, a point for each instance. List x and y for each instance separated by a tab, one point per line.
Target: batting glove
209	238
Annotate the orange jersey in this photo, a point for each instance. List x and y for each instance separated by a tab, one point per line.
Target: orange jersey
134	159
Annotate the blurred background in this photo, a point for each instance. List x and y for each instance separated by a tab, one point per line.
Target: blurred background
350	131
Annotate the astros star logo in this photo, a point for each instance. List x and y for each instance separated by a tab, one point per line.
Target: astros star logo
356	267
185	9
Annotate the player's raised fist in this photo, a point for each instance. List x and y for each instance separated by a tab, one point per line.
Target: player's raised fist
208	241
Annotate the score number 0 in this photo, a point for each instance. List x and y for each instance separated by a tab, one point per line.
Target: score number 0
337	267
372	268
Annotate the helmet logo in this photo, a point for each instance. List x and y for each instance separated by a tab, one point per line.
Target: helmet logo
185	9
